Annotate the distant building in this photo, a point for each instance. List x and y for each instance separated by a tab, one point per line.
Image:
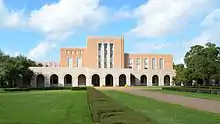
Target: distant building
51	64
104	63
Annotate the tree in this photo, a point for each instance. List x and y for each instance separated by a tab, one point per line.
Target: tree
14	71
202	62
181	74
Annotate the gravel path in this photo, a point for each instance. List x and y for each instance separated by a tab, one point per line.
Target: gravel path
195	103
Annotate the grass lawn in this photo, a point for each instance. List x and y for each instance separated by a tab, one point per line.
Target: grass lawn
44	107
1	90
189	94
164	113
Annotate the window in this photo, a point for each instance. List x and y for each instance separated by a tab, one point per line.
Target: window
99	55
146	63
153	63
73	52
138	63
130	63
67	52
105	55
78	62
161	63
76	52
111	55
70	62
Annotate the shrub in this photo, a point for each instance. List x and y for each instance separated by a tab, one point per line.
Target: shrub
105	110
45	88
210	90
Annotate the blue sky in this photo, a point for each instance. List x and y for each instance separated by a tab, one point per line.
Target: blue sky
38	29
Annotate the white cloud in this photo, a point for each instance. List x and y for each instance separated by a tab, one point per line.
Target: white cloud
161	17
10	18
66	15
212	19
123	13
210	31
60	20
41	49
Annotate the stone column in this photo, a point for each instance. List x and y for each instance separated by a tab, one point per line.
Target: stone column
102	81
128	81
34	82
61	81
88	81
46	81
149	81
115	81
74	82
161	81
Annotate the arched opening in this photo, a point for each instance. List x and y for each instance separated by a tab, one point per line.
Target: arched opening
109	80
132	79
166	80
95	80
82	80
199	82
144	80
122	80
68	80
155	80
54	80
40	80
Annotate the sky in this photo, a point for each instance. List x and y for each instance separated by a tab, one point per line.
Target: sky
39	28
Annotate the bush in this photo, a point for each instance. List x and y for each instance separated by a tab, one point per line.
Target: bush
204	89
105	110
207	87
45	88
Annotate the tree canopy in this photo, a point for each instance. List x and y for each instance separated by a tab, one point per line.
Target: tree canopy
201	63
14	71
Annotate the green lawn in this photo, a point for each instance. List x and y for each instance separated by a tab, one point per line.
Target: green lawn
44	107
189	94
164	113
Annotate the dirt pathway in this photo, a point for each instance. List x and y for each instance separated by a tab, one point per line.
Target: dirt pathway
195	103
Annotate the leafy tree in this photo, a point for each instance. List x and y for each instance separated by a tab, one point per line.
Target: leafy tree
203	62
182	74
14	71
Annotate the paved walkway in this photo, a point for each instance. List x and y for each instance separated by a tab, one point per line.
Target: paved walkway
195	103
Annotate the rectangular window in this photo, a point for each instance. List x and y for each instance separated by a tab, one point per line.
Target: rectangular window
111	55
67	52
70	62
138	63
153	63
78	62
146	63
105	55
99	55
130	63
161	63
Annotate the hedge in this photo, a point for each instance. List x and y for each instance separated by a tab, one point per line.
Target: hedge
45	88
207	87
105	110
209	90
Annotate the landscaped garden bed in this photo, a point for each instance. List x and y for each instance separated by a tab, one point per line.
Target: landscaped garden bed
45	88
105	110
202	89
